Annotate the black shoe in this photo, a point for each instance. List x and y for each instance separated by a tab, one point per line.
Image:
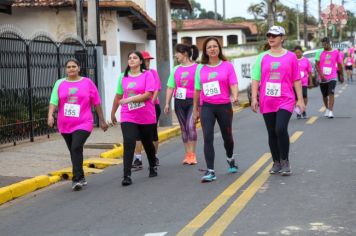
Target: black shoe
126	181
299	116
304	115
76	186
156	161
137	164
153	172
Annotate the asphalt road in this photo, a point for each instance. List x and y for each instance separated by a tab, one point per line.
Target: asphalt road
318	199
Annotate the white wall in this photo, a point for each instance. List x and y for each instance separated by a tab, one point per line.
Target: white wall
31	20
243	67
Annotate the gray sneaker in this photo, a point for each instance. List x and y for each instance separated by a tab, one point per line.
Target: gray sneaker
76	186
275	168
285	169
84	182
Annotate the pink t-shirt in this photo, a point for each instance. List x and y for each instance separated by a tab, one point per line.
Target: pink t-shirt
349	61
304	68
276	76
139	113
328	64
74	100
214	82
352	51
157	82
182	80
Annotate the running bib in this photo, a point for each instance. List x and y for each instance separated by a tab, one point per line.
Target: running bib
211	88
327	70
135	105
273	89
71	110
302	74
181	93
349	64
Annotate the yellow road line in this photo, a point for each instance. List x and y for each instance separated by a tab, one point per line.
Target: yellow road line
220	200
295	136
238	205
322	109
311	120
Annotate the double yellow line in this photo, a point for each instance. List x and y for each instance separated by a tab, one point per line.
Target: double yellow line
237	206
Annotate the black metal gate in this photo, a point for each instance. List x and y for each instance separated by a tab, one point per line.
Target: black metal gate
28	71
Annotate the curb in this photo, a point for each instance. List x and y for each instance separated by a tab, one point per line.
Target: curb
90	166
24	187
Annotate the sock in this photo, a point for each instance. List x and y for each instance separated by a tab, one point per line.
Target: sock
138	157
211	170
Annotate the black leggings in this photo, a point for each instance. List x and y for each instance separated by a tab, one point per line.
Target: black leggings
130	132
75	143
223	114
278	138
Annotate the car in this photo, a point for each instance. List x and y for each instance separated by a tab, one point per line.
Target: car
310	55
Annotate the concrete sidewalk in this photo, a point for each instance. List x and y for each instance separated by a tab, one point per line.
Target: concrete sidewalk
45	155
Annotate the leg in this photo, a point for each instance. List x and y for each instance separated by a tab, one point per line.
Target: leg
208	122
180	113
331	92
130	133
192	131
270	121
78	139
224	117
146	134
155	135
282	120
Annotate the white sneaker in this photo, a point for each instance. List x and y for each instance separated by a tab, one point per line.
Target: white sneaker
326	114
331	115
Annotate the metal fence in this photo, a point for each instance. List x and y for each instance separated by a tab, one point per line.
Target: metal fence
28	71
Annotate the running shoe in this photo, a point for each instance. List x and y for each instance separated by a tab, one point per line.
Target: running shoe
83	182
299	116
126	181
209	176
232	167
153	172
157	161
76	186
186	160
331	115
285	168
304	115
326	114
275	168
192	159
137	164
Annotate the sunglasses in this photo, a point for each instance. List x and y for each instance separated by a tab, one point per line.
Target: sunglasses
274	35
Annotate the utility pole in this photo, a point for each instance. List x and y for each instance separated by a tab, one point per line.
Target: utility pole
319	19
224	8
163	52
92	28
79	14
270	19
340	33
216	9
305	33
298	25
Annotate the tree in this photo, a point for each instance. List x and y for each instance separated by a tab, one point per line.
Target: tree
197	13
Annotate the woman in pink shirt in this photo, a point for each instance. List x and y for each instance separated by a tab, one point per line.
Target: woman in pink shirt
138	116
305	69
181	85
274	74
74	96
349	63
216	88
137	164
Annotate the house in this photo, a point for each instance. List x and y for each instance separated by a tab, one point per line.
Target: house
5	6
195	31
124	26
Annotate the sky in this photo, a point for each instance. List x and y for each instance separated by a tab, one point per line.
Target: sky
239	7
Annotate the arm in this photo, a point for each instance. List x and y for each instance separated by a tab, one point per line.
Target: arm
102	122
196	104
169	94
317	67
254	93
138	98
114	108
341	70
155	95
298	90
234	90
50	120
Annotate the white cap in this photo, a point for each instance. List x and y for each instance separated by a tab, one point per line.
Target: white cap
276	30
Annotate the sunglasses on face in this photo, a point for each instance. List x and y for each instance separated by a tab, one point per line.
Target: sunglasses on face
273	35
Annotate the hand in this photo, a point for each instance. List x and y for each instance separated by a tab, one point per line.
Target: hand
235	101
123	101
254	105
166	109
103	125
113	119
301	105
311	85
195	115
50	121
323	77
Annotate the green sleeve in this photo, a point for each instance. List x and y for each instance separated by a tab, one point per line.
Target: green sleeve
257	67
171	81
317	55
120	89
197	85
54	95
